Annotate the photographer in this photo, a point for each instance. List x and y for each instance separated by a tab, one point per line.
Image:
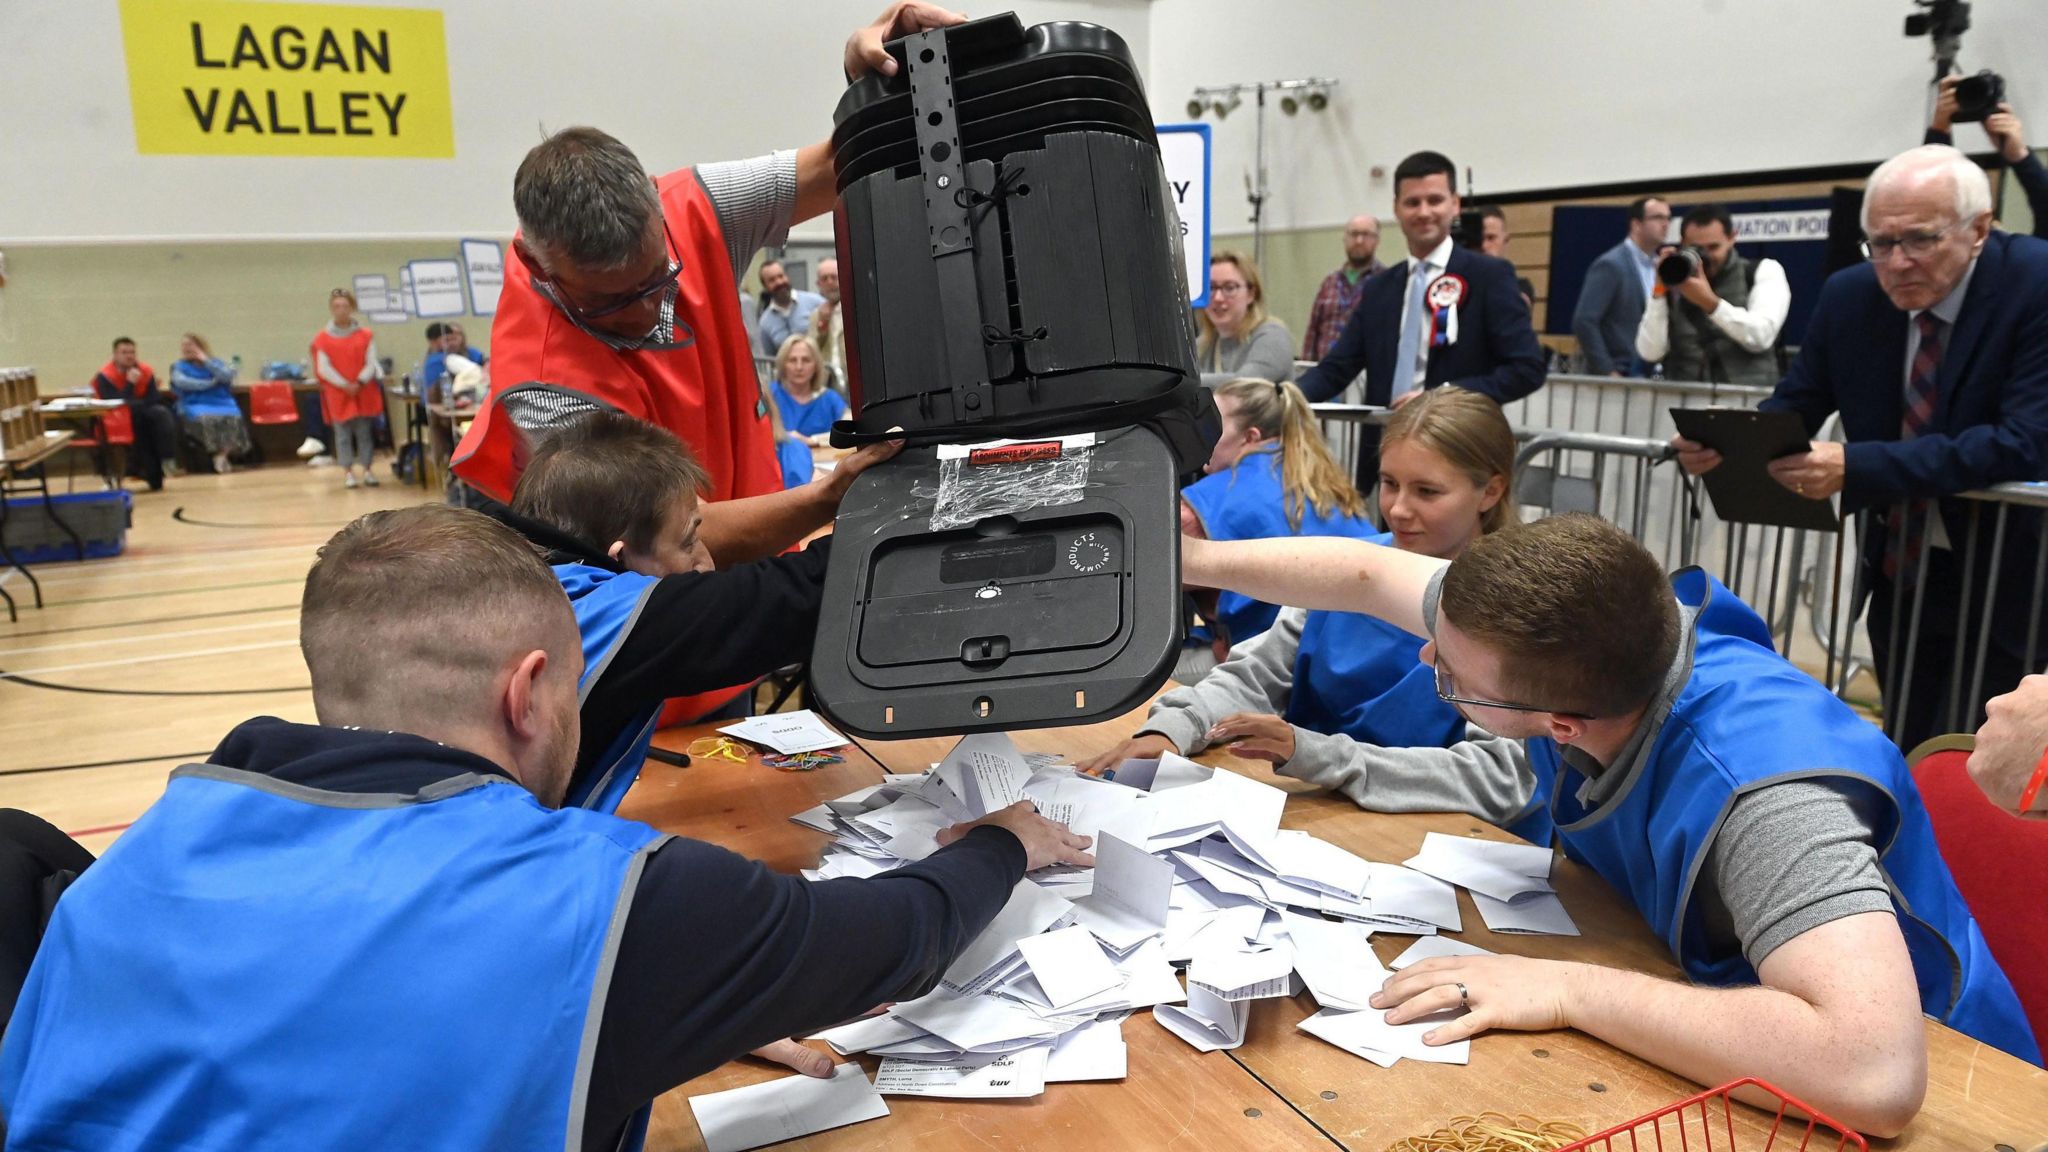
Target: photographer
2006	131
1724	327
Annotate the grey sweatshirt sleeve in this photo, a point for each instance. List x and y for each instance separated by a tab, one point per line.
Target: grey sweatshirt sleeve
1483	774
1258	677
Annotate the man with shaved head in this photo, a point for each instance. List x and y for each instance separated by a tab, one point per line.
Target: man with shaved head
1340	290
383	930
1935	352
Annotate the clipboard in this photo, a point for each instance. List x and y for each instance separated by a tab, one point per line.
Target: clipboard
1742	489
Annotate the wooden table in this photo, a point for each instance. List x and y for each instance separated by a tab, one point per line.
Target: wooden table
1977	1096
1173	1095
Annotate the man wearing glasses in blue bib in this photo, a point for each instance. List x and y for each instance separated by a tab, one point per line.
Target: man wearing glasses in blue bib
1771	837
1935	352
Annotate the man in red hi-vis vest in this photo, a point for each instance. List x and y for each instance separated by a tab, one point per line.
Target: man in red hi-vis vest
622	291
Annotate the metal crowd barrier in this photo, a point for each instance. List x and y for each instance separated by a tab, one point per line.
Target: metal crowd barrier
1601	445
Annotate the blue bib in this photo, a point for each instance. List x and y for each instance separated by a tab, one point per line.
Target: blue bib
1747	718
798	467
1247	502
260	966
607	604
811	417
1360	676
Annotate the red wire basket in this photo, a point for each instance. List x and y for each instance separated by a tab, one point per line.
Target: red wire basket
1708	1123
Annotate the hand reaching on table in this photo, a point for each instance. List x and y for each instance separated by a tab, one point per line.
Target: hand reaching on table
1046	842
1143	746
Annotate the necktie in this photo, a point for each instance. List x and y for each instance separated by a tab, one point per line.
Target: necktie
1405	360
1921	395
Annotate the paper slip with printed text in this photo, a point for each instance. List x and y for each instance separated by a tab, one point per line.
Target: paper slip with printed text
778	1110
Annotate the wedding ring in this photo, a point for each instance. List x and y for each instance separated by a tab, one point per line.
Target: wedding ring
1464	997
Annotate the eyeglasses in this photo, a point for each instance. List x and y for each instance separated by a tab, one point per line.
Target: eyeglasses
667	280
1916	245
1447	693
1230	288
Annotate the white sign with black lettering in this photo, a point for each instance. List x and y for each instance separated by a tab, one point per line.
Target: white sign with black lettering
483	263
436	288
1184	152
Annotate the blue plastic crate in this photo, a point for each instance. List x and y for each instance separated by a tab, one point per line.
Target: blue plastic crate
100	519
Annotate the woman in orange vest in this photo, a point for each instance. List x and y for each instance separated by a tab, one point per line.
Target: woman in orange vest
346	364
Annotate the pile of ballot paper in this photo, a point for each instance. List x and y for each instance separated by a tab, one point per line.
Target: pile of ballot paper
1192	870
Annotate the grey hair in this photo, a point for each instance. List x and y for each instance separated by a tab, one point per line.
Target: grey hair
583	197
1972	187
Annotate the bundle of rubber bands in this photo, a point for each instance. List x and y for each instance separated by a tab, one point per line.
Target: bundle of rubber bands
803	761
719	748
1493	1132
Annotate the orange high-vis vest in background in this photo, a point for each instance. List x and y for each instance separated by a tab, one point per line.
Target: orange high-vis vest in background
347	354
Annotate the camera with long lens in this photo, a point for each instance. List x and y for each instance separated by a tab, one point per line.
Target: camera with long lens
1978	97
1679	265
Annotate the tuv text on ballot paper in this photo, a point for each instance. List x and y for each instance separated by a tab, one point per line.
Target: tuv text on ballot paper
236	78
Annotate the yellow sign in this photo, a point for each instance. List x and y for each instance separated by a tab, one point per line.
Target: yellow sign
236	78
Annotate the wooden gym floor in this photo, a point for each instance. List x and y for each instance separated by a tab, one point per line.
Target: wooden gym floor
142	662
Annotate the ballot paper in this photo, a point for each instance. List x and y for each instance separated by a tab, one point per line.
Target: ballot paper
1541	913
1250	809
1094	1051
1207	1021
1243	975
867	1032
1368	1034
1399	893
984	772
1482	867
1305	861
787	732
1029	911
1336	961
1431	947
1069	965
1013	1075
784	1109
976	1023
819	819
1170	770
1129	901
1090	806
1147	980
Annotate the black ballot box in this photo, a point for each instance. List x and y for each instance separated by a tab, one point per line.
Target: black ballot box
1016	310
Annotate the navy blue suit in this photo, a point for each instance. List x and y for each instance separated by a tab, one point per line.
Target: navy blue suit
1496	353
1610	310
1990	427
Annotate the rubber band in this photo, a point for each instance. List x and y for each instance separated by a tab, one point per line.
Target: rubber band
2034	782
1493	1132
720	748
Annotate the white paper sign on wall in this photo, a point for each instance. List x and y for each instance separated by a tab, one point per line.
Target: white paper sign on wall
483	264
436	288
1184	152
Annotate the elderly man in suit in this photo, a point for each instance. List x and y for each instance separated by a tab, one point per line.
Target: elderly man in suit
1616	291
1936	355
1445	315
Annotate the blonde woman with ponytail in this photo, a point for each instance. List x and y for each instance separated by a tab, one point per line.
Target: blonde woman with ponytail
1325	696
1270	475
